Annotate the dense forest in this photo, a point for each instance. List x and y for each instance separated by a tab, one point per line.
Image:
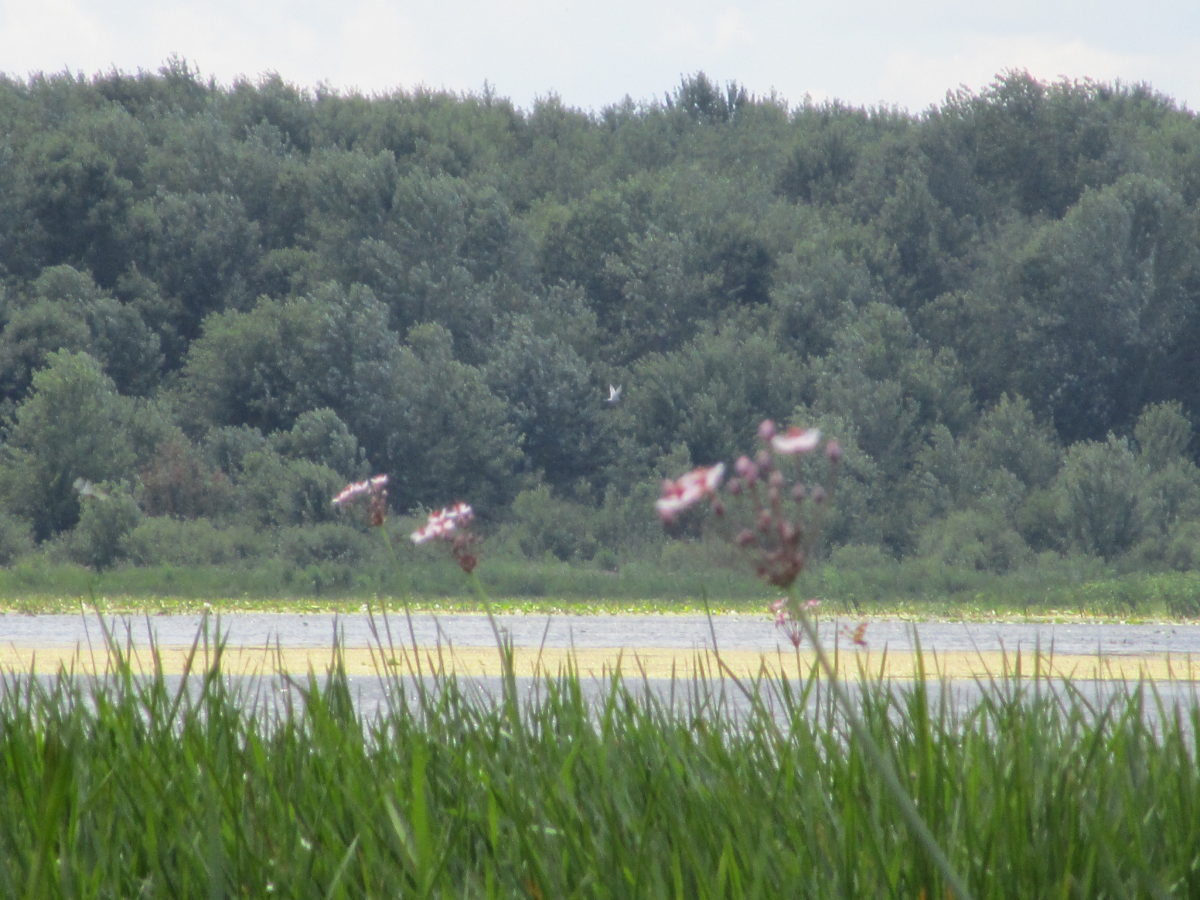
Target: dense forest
220	304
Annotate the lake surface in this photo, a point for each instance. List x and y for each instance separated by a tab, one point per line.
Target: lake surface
685	632
734	636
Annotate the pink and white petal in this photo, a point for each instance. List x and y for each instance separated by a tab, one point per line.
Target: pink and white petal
796	440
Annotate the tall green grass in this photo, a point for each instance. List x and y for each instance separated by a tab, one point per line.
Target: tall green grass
140	786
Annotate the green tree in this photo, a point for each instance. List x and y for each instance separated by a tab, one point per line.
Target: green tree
1163	434
885	379
275	491
75	206
331	348
320	436
222	244
1008	436
72	425
31	333
100	538
710	395
66	309
439	432
553	402
1098	491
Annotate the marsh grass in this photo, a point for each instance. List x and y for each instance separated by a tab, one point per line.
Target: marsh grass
869	586
127	785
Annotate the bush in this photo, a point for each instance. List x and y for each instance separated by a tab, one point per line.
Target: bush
326	578
100	539
1098	490
543	524
178	482
625	523
972	539
191	542
279	491
324	543
16	538
1181	549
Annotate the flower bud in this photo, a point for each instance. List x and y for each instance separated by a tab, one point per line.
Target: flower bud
766	429
746	468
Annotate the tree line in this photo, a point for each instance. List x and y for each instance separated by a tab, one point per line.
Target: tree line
220	304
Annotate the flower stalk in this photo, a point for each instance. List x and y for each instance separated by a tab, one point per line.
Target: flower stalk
780	520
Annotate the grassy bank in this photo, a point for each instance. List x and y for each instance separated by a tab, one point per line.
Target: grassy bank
866	586
123	786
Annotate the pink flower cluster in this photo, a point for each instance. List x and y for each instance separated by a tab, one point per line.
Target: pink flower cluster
375	490
369	488
782	524
443	524
688	489
786	619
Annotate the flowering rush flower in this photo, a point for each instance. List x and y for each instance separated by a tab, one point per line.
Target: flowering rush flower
369	488
688	489
444	523
796	440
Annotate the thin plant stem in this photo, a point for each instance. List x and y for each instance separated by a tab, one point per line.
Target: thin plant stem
507	663
908	809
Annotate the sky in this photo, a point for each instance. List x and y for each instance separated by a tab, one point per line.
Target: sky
893	53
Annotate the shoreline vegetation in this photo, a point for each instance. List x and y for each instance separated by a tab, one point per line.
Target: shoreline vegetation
1067	590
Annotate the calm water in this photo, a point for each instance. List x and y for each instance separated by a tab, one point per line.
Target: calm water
734	632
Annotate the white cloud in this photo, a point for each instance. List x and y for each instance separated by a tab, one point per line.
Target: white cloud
376	47
727	29
731	30
50	37
918	80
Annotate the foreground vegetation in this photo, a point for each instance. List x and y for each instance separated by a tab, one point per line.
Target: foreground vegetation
121	786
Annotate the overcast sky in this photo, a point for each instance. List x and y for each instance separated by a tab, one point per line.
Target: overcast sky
862	52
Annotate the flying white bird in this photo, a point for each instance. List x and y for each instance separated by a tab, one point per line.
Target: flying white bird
614	393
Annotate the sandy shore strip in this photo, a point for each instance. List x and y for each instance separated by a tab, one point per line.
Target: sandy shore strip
648	662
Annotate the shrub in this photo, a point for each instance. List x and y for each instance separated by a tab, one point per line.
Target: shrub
1181	550
324	543
543	524
191	542
16	538
178	482
279	491
319	436
974	540
1098	491
100	539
